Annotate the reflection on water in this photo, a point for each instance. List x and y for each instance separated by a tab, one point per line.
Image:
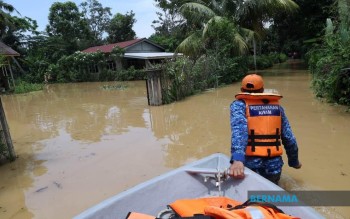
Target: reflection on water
79	144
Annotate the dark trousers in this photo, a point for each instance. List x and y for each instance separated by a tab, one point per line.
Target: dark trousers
275	178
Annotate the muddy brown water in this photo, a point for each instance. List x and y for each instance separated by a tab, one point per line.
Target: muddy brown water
79	144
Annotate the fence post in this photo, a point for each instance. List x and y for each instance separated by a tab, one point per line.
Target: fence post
154	87
5	136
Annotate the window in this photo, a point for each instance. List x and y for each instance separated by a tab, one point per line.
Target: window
93	68
111	65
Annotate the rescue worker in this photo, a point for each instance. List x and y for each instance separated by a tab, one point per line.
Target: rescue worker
258	128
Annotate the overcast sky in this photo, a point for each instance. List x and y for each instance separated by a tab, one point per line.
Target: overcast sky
145	11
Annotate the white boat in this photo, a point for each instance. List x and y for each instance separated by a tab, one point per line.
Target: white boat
201	178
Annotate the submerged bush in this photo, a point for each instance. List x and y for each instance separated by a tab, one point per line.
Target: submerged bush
266	61
329	65
25	87
184	77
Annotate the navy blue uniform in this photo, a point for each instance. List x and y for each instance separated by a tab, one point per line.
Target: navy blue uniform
265	166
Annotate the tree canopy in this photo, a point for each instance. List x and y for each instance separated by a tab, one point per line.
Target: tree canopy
219	29
97	17
120	27
66	21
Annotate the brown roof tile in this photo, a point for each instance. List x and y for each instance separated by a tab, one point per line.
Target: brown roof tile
108	48
7	51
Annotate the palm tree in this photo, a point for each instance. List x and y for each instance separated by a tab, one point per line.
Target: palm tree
5	18
5	9
253	14
203	17
247	17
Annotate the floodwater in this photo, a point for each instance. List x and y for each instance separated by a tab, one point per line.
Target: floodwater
78	144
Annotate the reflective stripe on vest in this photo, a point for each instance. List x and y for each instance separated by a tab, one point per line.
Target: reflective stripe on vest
264	124
249	212
255	213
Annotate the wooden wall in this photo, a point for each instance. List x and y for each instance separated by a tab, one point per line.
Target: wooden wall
154	87
6	147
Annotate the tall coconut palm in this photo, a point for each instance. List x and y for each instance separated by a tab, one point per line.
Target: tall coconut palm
253	14
5	18
245	15
203	16
5	9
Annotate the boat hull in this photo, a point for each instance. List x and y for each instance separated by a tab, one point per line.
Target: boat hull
153	196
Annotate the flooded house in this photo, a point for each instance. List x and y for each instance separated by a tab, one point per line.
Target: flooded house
140	53
7	55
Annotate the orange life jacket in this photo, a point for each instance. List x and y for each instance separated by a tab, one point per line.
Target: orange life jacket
225	208
251	212
220	208
264	124
190	207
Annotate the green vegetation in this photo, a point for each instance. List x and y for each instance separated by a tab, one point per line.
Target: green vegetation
220	41
25	87
45	55
117	86
329	60
80	67
120	28
185	77
266	61
217	45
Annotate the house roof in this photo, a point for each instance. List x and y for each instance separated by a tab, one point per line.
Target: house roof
124	45
7	51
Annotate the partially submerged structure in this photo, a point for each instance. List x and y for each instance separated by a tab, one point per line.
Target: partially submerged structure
140	53
6	75
7	150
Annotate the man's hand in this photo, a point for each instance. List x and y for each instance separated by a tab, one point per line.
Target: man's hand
237	170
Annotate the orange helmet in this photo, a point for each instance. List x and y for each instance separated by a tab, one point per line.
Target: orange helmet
252	82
